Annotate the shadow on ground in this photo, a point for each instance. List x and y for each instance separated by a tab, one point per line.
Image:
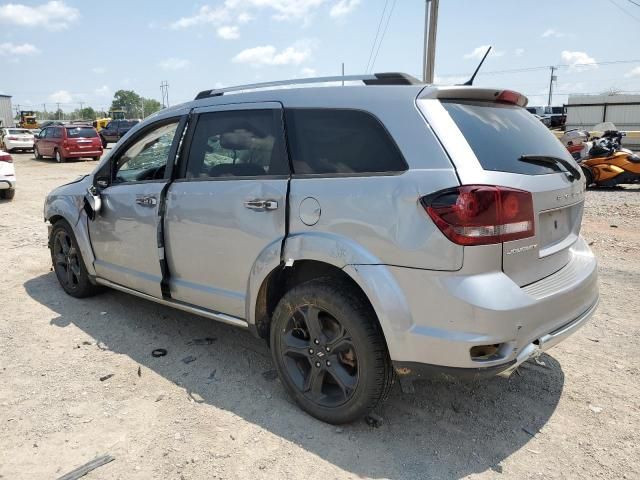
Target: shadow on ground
446	429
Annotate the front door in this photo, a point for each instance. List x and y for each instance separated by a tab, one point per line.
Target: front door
228	206
124	235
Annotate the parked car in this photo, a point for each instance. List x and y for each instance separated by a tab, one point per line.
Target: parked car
50	123
391	229
68	141
115	130
546	121
12	139
7	176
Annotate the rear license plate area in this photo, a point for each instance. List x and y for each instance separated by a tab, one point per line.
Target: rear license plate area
554	226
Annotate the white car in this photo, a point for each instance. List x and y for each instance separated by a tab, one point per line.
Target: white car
7	176
16	139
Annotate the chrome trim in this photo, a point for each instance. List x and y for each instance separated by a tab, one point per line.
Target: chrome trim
217	316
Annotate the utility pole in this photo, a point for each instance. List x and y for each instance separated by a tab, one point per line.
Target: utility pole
430	30
44	111
142	106
551	80
81	115
343	74
58	111
164	89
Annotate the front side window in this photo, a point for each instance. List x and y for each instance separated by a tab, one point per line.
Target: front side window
243	143
146	158
329	141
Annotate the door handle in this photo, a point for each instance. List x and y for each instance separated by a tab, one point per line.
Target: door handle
261	204
146	201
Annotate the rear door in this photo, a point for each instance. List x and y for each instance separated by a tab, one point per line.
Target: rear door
486	141
229	206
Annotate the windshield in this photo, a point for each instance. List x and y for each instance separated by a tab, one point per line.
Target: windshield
500	134
81	132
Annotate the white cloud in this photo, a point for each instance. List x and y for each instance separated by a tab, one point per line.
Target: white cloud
174	63
519	52
449	79
53	15
343	7
12	50
103	91
99	70
478	52
61	96
206	15
229	32
308	72
269	55
244	17
635	72
550	32
578	61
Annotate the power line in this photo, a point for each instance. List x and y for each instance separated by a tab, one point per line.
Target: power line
384	32
635	3
375	40
623	10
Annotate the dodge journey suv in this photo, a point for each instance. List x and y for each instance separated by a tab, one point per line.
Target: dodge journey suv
369	232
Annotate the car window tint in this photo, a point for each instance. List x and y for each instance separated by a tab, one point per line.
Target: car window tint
81	132
146	158
326	141
57	132
243	143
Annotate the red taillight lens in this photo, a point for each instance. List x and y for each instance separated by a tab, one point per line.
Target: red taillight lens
481	214
13	138
5	157
509	96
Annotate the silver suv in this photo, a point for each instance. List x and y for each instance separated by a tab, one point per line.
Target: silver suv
369	232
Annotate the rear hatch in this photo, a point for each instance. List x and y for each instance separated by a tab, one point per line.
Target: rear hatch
20	135
84	138
499	143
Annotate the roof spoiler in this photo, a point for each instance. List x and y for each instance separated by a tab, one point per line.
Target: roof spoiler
463	92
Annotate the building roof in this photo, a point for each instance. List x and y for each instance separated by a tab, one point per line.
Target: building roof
3	95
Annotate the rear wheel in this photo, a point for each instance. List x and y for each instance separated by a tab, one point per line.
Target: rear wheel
95	159
329	351
588	175
8	194
68	263
59	158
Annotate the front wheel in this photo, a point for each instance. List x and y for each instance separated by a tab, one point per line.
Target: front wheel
36	153
68	263
329	351
104	142
8	194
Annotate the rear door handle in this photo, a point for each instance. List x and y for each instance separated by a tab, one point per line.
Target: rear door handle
261	204
146	201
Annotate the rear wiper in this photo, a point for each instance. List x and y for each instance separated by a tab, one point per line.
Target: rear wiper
573	172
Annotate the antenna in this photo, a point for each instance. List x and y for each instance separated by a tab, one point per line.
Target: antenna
470	81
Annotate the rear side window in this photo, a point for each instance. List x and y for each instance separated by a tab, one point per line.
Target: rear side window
325	141
81	132
242	143
500	134
56	132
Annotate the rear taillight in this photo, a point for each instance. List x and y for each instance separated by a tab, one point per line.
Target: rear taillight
13	138
5	157
481	214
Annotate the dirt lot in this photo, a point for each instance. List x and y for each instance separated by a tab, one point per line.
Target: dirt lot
224	415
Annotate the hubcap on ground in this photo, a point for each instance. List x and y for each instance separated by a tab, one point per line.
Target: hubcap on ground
66	261
319	356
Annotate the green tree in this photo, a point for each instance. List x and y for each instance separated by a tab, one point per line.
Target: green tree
133	104
151	105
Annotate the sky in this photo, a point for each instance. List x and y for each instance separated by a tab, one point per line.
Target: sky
72	51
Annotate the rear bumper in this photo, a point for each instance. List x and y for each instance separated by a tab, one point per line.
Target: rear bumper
89	152
6	183
452	312
13	144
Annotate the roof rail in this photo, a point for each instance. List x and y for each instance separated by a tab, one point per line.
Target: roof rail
370	79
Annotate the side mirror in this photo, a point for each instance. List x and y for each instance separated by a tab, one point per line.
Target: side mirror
92	203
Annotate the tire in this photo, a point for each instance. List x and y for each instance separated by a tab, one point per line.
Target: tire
588	176
68	264
36	153
345	373
8	194
95	159
104	142
58	156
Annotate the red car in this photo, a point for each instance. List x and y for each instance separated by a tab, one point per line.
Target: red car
68	141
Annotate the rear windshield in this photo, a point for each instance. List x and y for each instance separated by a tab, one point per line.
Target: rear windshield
500	134
81	132
19	131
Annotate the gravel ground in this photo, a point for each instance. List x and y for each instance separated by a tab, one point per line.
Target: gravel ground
224	415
